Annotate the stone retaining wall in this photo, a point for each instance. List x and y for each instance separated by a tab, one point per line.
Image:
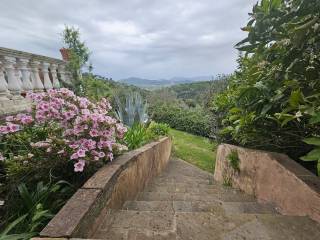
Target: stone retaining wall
107	189
271	177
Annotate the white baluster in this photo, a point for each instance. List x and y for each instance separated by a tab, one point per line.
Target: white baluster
62	73
55	81
25	72
46	79
18	76
3	85
36	81
14	85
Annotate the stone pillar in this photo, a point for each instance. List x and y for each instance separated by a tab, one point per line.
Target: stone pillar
36	81
55	81
62	73
14	85
46	79
25	72
3	85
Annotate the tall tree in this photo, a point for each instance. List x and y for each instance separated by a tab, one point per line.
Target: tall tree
78	54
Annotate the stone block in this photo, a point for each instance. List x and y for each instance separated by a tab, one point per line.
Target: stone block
273	178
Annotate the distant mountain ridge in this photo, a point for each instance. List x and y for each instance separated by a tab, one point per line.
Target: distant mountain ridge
156	83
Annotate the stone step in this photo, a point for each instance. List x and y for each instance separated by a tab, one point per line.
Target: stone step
187	180
215	197
127	224
186	188
174	206
229	208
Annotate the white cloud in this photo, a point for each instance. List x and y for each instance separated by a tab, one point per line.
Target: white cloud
151	39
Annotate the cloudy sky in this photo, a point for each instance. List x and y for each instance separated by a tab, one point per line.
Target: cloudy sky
143	38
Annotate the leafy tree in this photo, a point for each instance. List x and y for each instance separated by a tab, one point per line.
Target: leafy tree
273	102
78	56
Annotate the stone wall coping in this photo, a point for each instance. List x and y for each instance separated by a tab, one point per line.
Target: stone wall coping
31	56
89	201
272	177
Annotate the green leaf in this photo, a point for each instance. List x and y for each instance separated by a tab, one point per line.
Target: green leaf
314	155
313	141
25	195
266	108
20	236
296	98
315	118
248	48
13	225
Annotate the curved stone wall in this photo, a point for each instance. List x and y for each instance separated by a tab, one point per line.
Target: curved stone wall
108	189
271	177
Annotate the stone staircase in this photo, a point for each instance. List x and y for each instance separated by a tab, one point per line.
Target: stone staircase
185	203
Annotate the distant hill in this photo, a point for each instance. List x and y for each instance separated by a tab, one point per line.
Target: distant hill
158	83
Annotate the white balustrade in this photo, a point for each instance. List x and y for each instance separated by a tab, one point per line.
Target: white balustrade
3	85
36	80
26	74
46	79
54	74
14	85
21	72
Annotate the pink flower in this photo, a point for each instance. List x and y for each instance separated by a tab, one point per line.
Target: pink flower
74	146
85	111
40	144
94	133
101	154
110	156
26	120
9	118
81	153
13	127
74	156
3	130
79	166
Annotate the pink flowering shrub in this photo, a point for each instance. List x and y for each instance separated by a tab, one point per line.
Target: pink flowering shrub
61	130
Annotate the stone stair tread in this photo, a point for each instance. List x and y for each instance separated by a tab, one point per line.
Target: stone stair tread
248	208
184	180
124	224
229	208
219	197
184	188
174	206
185	203
150	220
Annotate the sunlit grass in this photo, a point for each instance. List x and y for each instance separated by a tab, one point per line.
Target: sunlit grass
196	150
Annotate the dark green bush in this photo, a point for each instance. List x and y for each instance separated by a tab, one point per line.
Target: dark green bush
192	120
273	101
158	129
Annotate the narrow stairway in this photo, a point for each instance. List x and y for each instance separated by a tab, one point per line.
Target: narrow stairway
185	203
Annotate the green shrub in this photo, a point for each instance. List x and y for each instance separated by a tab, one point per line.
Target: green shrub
158	129
273	101
34	209
192	120
136	136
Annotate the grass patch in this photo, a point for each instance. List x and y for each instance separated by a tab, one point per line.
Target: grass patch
196	150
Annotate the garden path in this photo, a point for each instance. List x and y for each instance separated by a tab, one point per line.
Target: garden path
184	203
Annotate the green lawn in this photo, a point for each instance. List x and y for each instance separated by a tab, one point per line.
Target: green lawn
194	149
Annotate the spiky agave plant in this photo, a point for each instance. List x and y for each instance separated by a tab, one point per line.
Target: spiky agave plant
132	110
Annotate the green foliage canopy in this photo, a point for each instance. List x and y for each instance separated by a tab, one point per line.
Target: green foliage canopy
273	102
